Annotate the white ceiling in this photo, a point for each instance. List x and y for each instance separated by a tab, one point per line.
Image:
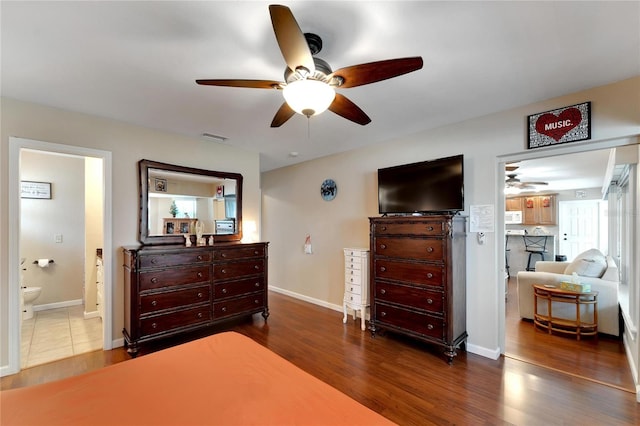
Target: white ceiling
137	62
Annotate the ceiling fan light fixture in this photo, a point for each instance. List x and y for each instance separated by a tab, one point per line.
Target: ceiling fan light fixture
308	97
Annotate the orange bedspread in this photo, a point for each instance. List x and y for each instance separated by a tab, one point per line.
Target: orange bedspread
224	379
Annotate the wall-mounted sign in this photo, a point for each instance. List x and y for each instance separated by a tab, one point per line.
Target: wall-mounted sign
29	189
568	124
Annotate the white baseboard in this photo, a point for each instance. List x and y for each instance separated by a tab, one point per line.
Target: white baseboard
93	314
482	351
306	298
57	305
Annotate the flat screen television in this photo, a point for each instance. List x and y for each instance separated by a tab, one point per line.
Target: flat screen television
434	186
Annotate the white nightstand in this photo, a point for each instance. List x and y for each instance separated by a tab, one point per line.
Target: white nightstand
356	283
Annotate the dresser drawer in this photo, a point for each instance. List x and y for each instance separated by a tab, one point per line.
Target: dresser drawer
238	253
173	277
410	228
174	299
173	320
410	248
174	259
353	289
238	306
351	262
351	276
419	298
230	270
415	273
236	288
355	253
417	322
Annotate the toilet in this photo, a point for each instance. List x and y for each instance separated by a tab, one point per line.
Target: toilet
29	295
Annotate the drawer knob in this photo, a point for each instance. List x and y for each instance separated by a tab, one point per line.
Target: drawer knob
429	301
256	301
429	275
154	260
199	314
257	284
224	271
224	291
384	228
383	314
224	309
256	267
383	269
199	257
430	249
154	303
256	252
383	291
351	279
430	326
200	295
351	272
154	325
383	246
199	274
429	228
154	280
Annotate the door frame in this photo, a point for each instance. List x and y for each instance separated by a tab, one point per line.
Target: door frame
17	144
501	161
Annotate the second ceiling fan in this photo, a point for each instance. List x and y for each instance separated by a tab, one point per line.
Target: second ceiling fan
309	83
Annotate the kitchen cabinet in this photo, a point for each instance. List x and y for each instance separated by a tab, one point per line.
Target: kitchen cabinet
514	204
539	210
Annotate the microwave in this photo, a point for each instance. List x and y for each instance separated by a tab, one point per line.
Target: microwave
513	217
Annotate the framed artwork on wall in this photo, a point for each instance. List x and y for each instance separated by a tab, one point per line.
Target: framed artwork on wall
38	190
558	126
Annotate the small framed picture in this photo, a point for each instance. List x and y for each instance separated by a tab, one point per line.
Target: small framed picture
161	185
39	190
562	125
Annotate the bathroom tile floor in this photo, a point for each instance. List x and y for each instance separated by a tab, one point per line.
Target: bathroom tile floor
58	333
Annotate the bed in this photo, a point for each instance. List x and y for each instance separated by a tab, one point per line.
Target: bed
223	379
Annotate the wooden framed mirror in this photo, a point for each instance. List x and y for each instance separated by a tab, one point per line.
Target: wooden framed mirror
174	198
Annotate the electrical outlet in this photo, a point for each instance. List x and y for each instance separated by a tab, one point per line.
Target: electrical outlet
58	238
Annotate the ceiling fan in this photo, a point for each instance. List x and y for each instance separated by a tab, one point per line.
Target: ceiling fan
513	182
309	82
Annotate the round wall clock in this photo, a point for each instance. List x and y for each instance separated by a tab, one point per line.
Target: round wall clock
328	190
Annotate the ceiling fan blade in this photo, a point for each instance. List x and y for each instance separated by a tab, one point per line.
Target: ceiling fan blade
357	75
251	84
347	109
284	113
291	39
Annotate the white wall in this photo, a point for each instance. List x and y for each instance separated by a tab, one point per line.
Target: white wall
292	206
128	144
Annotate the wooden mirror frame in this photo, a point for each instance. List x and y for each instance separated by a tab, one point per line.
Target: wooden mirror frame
146	239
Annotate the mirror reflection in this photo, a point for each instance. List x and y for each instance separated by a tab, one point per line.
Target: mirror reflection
178	202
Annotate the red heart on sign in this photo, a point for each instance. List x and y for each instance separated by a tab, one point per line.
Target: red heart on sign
556	126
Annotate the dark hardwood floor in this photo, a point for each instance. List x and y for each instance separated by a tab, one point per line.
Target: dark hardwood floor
406	381
600	359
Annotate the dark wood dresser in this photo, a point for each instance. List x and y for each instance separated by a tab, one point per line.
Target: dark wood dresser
176	289
418	281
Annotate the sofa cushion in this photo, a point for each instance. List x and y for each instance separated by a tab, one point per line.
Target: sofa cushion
591	263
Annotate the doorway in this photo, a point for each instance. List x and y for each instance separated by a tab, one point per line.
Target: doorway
18	146
504	324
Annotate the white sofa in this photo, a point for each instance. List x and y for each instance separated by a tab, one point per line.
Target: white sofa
552	273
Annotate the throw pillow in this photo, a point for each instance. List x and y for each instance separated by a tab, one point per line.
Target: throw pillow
591	263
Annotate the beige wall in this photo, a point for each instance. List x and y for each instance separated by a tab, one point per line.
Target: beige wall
292	206
41	220
128	144
94	238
